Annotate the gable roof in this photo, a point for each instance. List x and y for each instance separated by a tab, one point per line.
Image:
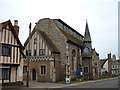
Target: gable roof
102	62
4	24
93	50
46	40
59	20
72	39
49	42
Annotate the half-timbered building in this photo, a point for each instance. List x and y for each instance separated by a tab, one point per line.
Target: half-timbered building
11	55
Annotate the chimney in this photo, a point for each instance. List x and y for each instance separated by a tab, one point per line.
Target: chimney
109	64
109	56
16	27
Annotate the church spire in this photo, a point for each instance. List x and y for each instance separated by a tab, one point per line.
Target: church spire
87	36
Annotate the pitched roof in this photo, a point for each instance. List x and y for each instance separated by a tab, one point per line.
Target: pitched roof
87	36
93	50
72	39
59	20
49	42
45	38
4	24
102	62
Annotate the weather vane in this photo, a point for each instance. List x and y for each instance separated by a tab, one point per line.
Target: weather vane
86	20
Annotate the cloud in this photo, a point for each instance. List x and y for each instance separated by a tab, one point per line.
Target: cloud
101	15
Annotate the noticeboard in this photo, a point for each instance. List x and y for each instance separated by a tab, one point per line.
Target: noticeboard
79	73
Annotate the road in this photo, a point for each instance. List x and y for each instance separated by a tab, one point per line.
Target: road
110	83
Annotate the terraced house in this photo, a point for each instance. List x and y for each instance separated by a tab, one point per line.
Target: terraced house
11	55
55	51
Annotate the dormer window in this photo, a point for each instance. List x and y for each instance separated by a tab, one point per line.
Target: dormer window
35	41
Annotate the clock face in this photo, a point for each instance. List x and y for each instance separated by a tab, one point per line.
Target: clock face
86	50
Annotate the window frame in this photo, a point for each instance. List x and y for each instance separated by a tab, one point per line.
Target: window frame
42	52
43	73
6	51
5	75
28	52
35	52
35	40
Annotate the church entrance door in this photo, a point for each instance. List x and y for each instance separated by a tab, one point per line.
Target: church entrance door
34	74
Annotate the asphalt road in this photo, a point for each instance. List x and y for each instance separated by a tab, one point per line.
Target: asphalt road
110	83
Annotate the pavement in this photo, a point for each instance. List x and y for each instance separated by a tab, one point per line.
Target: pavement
34	84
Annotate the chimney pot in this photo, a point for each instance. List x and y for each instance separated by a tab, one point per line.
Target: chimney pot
15	22
16	27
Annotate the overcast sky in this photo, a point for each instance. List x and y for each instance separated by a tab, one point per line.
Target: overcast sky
102	16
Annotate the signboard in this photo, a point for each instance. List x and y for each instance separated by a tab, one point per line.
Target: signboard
79	73
67	80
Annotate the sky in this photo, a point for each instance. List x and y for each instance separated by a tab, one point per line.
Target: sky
102	17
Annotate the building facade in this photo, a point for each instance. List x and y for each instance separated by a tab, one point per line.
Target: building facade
115	66
55	51
11	55
90	58
110	66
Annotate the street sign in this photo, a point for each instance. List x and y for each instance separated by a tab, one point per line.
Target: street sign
79	73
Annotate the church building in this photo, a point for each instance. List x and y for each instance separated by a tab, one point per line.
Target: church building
56	51
90	58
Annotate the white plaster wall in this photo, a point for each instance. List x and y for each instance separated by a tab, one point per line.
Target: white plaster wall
106	66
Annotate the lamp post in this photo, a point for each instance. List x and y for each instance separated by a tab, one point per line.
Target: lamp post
28	58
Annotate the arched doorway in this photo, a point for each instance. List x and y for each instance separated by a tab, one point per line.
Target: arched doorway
73	59
33	74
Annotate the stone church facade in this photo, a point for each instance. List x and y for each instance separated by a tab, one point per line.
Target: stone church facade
56	51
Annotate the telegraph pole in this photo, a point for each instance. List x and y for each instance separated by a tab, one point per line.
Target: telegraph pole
28	58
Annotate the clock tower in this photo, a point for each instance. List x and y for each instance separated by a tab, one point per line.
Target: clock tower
87	47
87	54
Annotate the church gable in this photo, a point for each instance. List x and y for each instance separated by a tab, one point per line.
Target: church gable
40	44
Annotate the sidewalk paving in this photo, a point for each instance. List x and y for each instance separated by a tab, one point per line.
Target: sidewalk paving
34	84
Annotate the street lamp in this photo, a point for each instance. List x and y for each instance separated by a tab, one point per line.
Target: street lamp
28	59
